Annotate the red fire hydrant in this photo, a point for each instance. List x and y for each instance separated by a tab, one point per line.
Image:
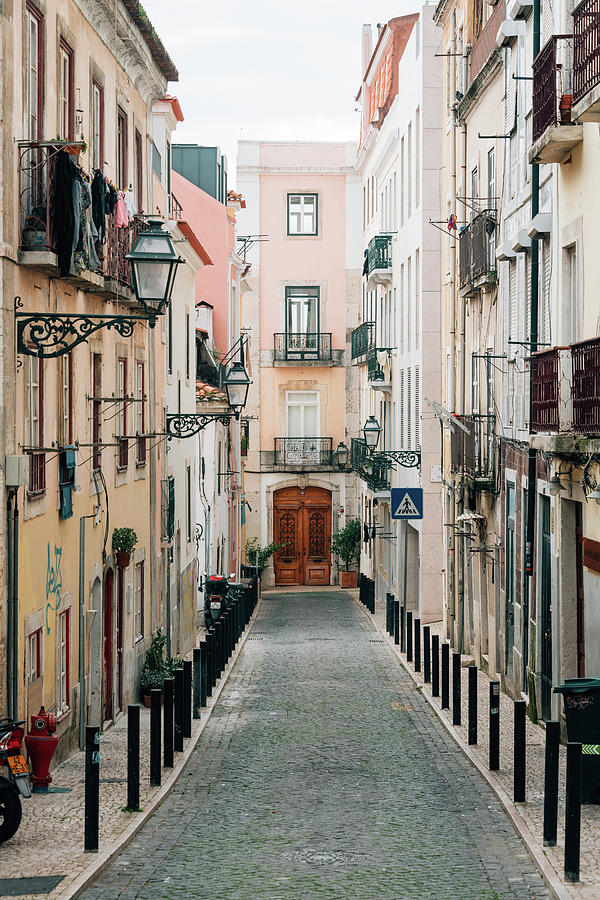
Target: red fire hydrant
41	743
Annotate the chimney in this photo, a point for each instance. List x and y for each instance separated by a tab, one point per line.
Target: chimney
366	47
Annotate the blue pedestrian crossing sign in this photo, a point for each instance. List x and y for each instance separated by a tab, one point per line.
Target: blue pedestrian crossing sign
407	503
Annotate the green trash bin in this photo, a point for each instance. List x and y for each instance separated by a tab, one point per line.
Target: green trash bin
581	698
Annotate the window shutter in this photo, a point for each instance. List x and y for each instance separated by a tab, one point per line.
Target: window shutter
402	411
417	408
409	409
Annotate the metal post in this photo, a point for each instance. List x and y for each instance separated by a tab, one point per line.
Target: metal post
456	688
417	645
197	681
409	636
133	758
435	665
445	676
92	788
210	658
494	760
396	621
155	700
426	653
187	698
179	709
519	751
218	648
472	701
168	688
403	629
82	632
551	783
405	566
573	812
203	672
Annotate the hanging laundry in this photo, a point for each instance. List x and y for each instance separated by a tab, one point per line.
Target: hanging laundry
63	211
122	220
130	203
99	194
111	198
89	245
365	269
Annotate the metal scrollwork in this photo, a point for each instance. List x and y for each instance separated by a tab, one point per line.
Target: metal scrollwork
410	459
50	335
184	425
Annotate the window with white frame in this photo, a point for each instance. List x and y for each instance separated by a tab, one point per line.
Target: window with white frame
138	611
65	87
140	423
302	212
34	74
34	656
66	399
97	125
302	413
63	661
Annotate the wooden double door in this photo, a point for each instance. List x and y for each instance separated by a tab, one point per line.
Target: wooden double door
302	520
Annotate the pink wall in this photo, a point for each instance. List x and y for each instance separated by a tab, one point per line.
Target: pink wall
209	221
304	260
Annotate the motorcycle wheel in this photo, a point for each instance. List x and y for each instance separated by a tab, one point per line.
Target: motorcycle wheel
10	812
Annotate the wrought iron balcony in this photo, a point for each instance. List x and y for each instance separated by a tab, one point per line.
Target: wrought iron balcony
545	368
379	260
585	358
363	339
302	346
552	102
586	58
477	264
303	451
372	468
473	452
375	371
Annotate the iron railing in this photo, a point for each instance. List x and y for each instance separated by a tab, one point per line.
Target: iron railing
552	78
476	248
176	209
585	357
373	468
545	388
37	473
485	44
586	48
302	346
472	452
313	451
379	253
375	371
363	339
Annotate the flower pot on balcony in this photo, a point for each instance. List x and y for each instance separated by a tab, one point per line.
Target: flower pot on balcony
123	559
565	105
348	579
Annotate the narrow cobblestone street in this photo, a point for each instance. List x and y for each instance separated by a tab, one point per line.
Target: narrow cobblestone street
323	773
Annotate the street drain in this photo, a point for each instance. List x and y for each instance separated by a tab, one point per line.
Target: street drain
256	639
39	884
376	640
322	857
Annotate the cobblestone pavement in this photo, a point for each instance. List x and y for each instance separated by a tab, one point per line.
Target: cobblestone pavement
323	773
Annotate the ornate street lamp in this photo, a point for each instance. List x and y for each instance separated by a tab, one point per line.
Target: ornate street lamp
371	431
342	455
153	265
236	384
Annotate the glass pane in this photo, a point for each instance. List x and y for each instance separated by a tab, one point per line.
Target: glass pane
152	279
310	421
294	421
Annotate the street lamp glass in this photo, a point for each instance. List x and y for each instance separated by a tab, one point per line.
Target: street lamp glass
371	432
555	485
153	266
342	454
236	384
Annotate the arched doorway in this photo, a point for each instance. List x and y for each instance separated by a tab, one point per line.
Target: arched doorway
302	520
108	643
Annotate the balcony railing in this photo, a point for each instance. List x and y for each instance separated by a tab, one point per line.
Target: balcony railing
363	339
552	79
477	248
586	48
375	371
485	44
303	451
379	253
472	452
586	386
303	346
545	367
373	468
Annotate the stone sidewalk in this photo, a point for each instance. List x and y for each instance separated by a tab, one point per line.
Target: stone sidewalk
49	841
527	817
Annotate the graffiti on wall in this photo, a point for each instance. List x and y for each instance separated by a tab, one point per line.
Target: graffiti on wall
53	583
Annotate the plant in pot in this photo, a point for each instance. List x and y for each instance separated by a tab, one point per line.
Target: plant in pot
346	545
264	553
123	542
156	666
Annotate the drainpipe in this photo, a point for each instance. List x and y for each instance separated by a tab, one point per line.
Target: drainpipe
533	335
82	629
451	397
460	408
10	610
15	599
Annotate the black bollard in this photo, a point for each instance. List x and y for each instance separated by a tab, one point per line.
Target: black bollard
133	758
178	709
92	788
403	629
456	688
203	672
573	812
494	760
397	622
387	613
472	702
551	783
155	701
197	681
187	698
435	665
417	645
409	636
218	649
168	688
519	752
426	653
445	676
210	661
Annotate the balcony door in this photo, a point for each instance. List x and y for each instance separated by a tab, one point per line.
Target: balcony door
302	522
302	322
302	427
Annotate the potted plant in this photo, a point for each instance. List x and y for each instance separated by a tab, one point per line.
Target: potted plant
157	666
346	545
123	542
264	553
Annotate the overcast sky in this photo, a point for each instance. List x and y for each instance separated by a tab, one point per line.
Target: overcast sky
267	69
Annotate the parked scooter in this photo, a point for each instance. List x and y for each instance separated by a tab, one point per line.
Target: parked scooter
215	598
17	782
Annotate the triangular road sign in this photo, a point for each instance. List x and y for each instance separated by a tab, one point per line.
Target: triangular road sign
406	507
